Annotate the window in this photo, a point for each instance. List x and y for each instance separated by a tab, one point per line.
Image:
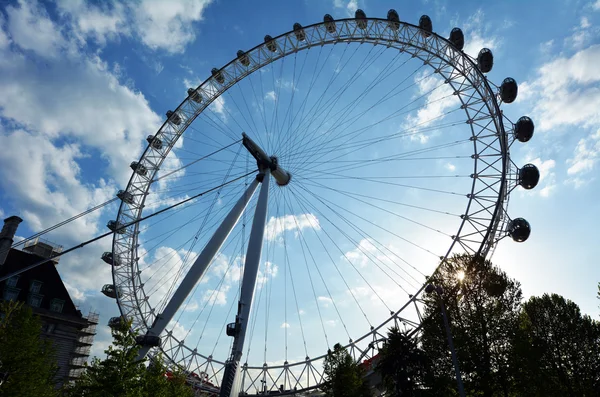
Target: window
35	300
12	282
11	294
57	305
35	287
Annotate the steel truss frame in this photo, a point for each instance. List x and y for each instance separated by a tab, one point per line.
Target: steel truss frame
483	223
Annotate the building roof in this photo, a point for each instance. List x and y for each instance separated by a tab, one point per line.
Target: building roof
52	287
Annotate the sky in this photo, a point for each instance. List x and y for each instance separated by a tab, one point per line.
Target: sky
84	83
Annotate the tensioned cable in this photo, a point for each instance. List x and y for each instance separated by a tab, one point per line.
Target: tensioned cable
307	202
195	161
123	227
38	234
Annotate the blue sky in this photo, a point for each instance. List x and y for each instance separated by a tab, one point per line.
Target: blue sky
83	84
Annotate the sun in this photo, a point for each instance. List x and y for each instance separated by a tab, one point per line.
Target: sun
460	275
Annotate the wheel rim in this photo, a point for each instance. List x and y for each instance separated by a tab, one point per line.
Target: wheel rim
482	110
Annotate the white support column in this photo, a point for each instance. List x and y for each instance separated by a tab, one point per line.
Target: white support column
200	265
230	384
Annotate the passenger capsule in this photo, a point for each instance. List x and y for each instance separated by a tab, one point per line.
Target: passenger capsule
425	25
524	129
299	32
393	19
173	117
243	58
111	291
529	176
115	322
509	90
232	329
108	258
125	196
361	19
194	95
457	38
148	340
271	44
154	142
138	168
329	23
116	227
218	75
485	60
519	230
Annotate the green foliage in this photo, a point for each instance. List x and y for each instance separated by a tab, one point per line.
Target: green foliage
483	315
343	377
557	349
122	375
403	365
27	357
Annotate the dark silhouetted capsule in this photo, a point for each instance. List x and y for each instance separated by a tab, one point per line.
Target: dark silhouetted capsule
154	142
243	58
110	290
194	95
361	19
271	44
148	340
457	38
519	230
393	19
425	25
485	60
173	117
524	129
125	196
299	32
329	23
509	90
218	75
529	176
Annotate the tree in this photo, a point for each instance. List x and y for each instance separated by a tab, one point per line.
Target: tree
343	377
557	349
27	358
121	374
482	305
403	365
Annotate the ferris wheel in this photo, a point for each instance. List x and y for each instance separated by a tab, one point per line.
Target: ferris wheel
324	174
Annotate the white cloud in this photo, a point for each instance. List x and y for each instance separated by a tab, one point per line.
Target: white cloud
268	271
32	29
349	6
92	21
476	30
74	292
596	5
301	312
178	330
330	323
586	155
168	26
277	226
270	96
284	325
450	167
325	301
217	297
566	91
360	255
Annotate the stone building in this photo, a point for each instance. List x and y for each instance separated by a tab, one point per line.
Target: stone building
42	289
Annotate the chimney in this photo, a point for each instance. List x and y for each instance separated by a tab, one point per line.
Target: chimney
6	236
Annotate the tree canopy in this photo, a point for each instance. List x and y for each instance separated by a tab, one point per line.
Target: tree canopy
343	376
121	374
26	357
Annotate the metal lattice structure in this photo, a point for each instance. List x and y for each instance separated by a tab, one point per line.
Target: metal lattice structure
485	220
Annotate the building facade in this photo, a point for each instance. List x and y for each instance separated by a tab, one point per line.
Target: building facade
42	289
